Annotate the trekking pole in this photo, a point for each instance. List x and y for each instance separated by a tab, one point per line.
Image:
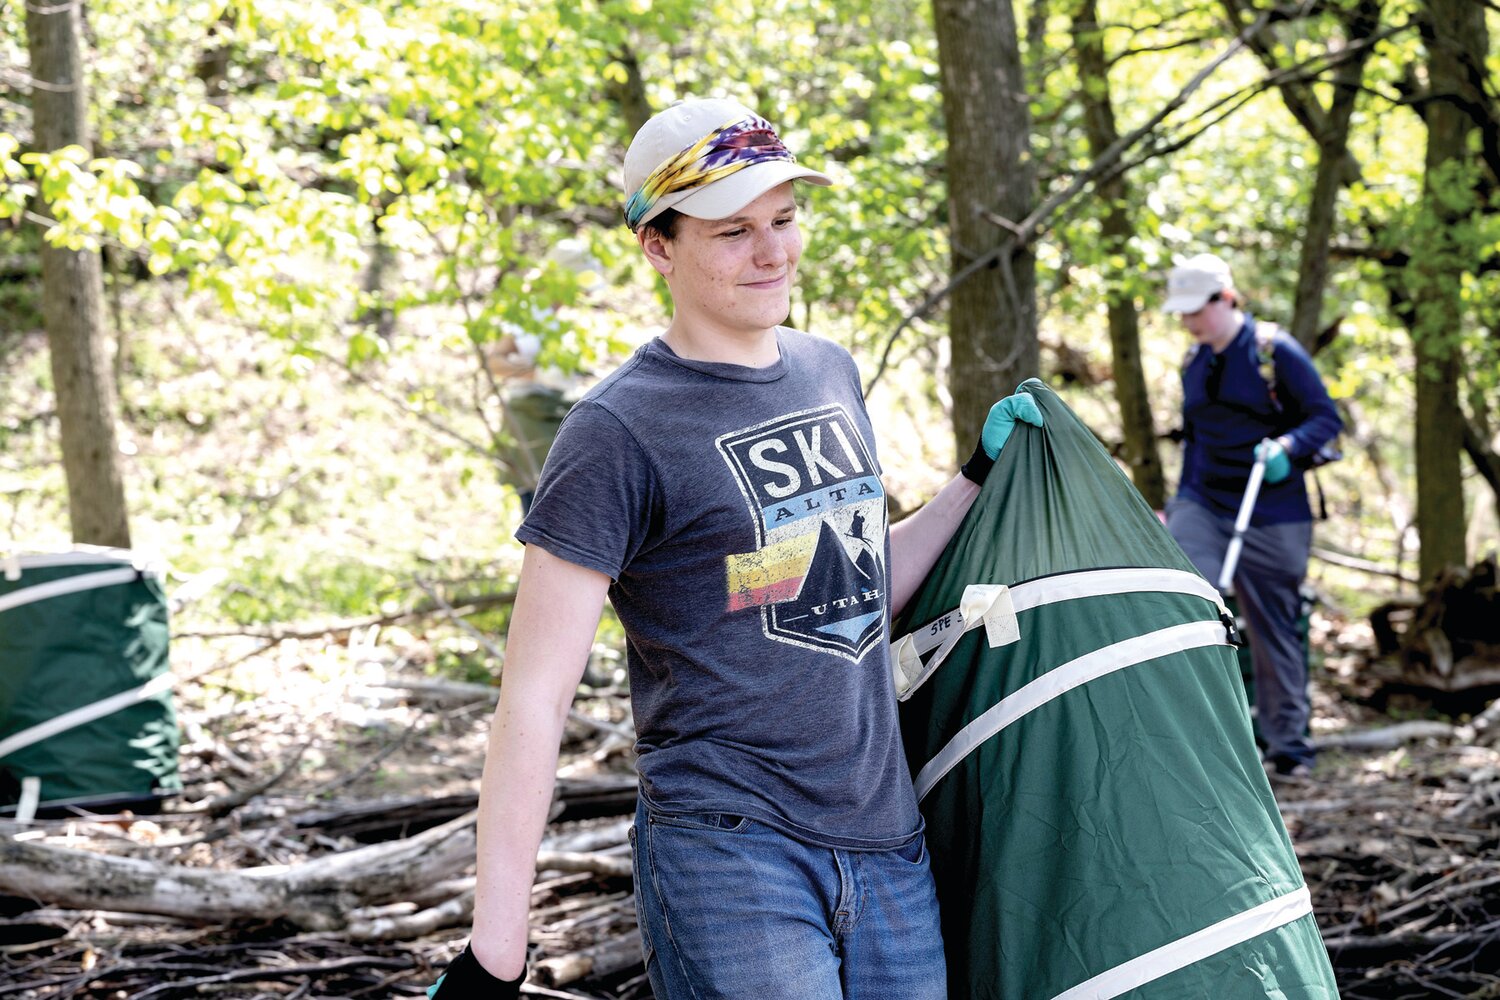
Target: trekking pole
1241	523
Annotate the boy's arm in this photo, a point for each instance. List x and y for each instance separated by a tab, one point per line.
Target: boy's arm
552	628
917	541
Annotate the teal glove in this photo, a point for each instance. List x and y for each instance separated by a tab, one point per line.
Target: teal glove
1278	462
997	428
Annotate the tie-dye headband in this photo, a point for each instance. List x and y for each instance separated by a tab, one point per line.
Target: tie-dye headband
728	149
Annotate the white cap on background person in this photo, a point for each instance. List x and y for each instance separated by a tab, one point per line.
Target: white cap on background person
1194	281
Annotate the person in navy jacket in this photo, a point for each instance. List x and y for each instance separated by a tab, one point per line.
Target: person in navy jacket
1251	390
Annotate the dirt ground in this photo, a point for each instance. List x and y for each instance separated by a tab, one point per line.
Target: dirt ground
1400	845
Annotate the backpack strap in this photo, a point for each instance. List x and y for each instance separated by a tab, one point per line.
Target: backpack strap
1265	353
1322	500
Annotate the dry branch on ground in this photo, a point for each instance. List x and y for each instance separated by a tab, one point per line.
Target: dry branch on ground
352	879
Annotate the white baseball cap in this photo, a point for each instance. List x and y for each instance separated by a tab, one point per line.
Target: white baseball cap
1193	282
679	127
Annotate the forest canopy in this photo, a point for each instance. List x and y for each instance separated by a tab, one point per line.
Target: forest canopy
351	180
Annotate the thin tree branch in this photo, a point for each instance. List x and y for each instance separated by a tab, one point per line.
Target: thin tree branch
407	408
1182	43
22	81
1030	227
1485	459
283	633
1159	148
1159	24
499	657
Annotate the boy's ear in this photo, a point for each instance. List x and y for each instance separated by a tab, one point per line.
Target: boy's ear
657	248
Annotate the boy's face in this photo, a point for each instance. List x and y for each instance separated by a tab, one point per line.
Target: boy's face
733	275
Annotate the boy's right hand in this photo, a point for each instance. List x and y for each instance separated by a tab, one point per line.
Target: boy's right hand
466	979
997	427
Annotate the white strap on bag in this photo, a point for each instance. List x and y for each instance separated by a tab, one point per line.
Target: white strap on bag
85	714
1269	916
996	607
1059	681
69	585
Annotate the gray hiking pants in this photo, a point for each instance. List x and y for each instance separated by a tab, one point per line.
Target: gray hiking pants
1266	584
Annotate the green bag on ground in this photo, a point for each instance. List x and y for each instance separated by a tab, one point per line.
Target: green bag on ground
1098	818
85	686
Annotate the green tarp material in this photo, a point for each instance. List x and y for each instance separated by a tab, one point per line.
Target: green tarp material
80	629
1098	818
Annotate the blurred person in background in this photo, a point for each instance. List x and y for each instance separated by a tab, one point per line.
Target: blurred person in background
1250	391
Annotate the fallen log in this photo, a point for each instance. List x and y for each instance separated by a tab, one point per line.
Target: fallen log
386	819
316	895
1347	949
592	838
208	983
1386	737
405	926
603	959
609	795
1346	561
1484	728
614	866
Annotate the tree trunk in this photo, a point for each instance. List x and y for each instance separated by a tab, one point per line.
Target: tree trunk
379	316
1333	159
72	294
1477	444
1425	285
1435	276
629	94
992	315
1118	229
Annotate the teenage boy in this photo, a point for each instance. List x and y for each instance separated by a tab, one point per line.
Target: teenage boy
722	489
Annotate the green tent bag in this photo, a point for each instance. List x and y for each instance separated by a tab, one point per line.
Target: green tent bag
1097	815
85	686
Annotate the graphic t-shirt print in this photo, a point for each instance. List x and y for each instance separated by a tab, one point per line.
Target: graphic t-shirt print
818	572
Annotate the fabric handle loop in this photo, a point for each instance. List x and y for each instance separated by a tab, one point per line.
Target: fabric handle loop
987	604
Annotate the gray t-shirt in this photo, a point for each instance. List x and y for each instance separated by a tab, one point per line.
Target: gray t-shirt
740	514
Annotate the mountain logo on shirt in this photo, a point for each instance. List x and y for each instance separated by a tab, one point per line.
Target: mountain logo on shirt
817	575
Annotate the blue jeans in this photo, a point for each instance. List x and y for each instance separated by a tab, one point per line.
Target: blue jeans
1267	584
731	908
